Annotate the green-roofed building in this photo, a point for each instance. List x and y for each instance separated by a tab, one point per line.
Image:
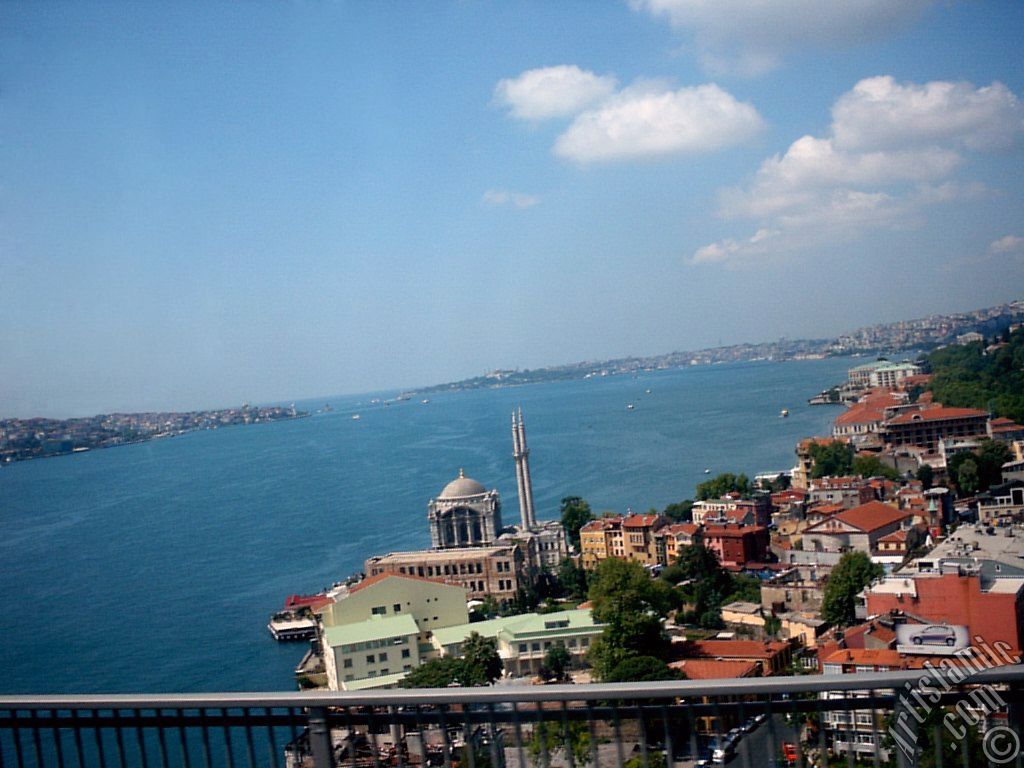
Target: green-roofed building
366	653
860	375
523	640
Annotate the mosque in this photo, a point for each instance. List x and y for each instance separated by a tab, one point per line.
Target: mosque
466	514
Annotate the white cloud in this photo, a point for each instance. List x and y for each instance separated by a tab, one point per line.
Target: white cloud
748	37
1010	244
496	197
881	113
887	160
812	165
728	249
562	91
647	120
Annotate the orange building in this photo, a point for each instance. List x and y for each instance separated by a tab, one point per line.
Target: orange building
632	537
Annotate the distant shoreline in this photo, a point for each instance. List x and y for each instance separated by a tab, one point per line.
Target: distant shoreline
887	339
56	442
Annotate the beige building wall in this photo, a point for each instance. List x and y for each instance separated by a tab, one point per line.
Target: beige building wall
494	571
432	604
376	657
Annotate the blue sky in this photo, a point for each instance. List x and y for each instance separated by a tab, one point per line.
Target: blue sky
206	203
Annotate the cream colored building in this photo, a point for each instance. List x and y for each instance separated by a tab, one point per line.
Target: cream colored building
495	571
381	649
384	626
524	640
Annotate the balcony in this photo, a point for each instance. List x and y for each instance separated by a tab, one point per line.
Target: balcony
647	725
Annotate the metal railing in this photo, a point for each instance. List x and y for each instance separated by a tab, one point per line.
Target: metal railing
801	721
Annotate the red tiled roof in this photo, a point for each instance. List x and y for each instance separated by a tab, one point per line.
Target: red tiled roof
899	537
602	524
854	636
712	669
875	657
790	494
1002	424
371	580
687	528
826	509
938	413
870	517
640	521
309	601
737	649
870	409
807	442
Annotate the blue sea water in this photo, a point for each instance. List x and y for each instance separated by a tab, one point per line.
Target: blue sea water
154	567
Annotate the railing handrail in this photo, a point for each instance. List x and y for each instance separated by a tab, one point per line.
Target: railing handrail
504	694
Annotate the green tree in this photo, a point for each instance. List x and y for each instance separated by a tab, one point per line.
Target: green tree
572	579
744	587
705	585
781	482
524	601
488	609
557	661
725	483
575	514
872	466
655	759
852	573
481	662
772	625
436	673
965	376
632	605
831	459
991	457
680	511
641	669
554	737
967	479
926	475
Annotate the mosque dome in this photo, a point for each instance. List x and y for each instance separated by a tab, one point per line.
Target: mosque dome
461	487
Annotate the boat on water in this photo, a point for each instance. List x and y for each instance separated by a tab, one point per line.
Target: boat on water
784	413
355	417
630	407
707	471
424	401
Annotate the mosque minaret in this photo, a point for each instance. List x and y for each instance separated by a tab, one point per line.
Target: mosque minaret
521	454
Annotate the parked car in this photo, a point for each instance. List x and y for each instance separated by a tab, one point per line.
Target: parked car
935	634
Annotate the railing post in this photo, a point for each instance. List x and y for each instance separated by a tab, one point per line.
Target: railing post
904	723
320	738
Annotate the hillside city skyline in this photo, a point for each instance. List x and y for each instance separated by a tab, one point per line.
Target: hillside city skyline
884	338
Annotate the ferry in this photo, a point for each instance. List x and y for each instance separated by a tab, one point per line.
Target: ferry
289	625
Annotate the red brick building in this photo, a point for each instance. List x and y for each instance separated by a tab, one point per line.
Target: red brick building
925	428
737	545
